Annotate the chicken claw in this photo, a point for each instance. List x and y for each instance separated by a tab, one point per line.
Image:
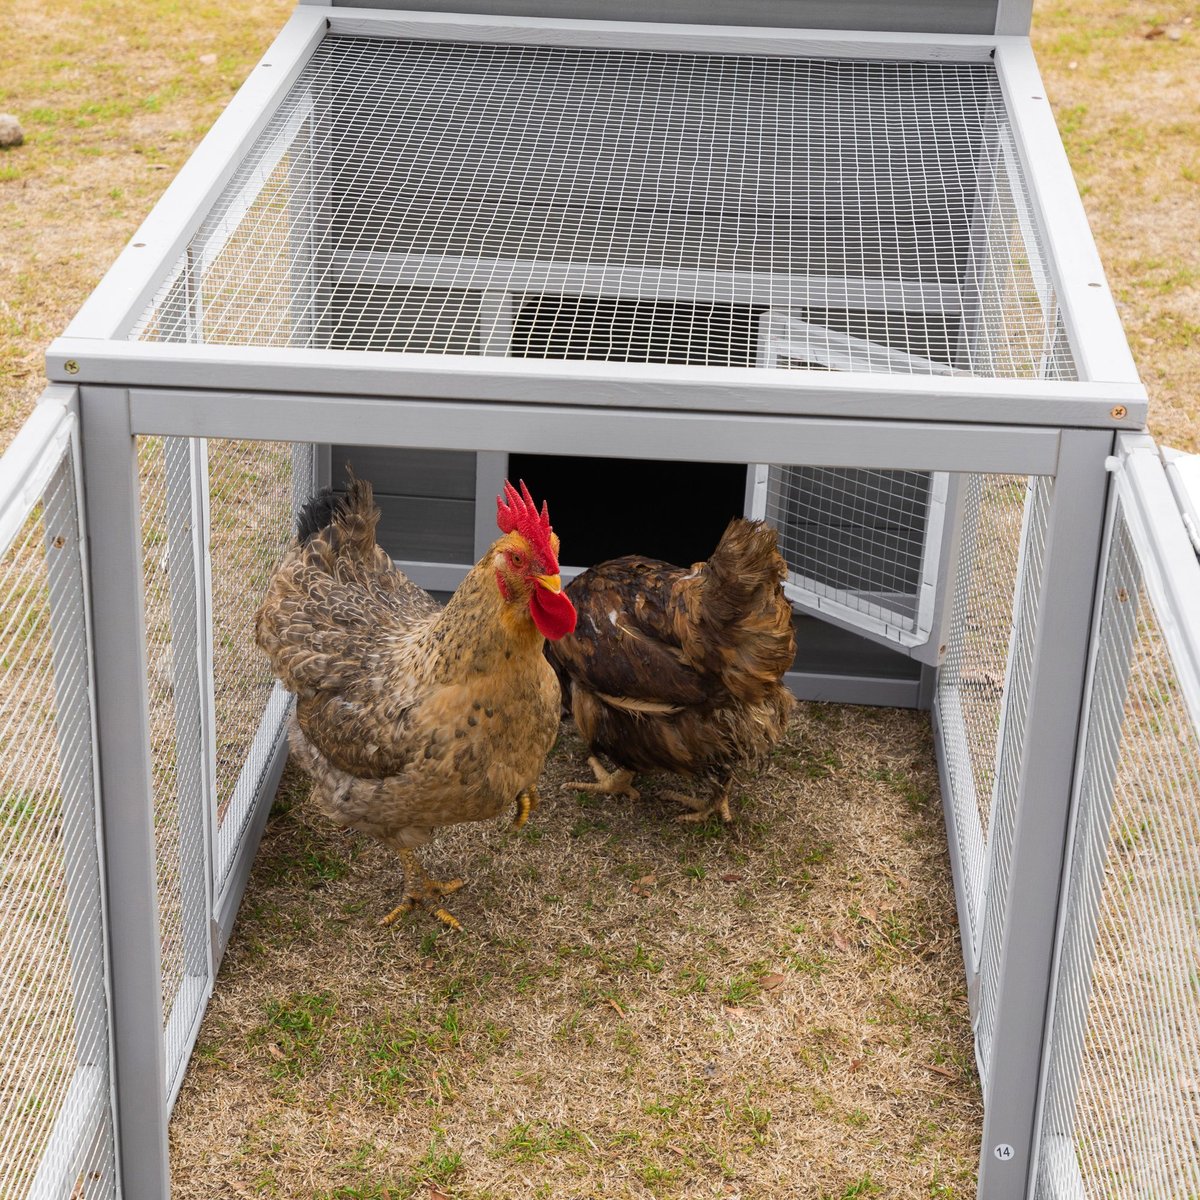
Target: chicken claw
608	783
718	803
419	889
527	801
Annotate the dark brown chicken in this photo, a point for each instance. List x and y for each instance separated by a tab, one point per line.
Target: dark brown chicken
408	715
679	668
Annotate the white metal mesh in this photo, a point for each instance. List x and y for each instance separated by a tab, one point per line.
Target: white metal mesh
253	489
974	681
854	536
176	739
55	1117
216	516
1012	304
639	206
1122	1116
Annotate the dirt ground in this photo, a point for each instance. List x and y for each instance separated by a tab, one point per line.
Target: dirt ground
636	1008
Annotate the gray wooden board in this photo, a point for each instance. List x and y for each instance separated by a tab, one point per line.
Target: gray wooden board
426	529
605	433
444	474
257	374
827	650
938	16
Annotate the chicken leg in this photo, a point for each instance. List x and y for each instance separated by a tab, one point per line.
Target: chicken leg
527	801
608	783
420	889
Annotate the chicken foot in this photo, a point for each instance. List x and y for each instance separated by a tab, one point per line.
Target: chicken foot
527	801
419	889
608	783
716	802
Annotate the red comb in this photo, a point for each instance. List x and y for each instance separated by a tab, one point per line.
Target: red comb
517	511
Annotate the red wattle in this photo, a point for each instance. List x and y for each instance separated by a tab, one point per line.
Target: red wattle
552	612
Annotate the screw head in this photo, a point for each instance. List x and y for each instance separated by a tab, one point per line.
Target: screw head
71	367
1118	412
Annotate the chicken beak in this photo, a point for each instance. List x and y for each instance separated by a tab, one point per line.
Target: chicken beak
552	583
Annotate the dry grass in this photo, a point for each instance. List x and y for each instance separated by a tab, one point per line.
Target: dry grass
637	1007
1124	80
113	96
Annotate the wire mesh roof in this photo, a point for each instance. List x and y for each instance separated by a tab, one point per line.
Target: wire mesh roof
559	202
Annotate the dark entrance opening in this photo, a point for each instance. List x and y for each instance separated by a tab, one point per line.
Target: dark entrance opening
606	507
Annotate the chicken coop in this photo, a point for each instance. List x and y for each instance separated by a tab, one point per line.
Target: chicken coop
823	264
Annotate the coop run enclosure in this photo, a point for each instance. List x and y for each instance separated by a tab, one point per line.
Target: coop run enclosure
826	267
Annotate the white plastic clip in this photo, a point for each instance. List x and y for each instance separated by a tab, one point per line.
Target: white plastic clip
1113	464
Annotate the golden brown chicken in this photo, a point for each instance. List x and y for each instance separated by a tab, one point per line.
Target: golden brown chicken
408	715
679	669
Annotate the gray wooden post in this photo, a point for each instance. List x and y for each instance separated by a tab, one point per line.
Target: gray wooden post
127	808
1074	535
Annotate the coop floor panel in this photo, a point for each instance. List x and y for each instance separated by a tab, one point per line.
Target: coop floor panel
560	202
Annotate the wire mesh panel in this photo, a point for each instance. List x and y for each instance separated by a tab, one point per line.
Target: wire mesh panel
253	489
216	516
856	539
1010	297
1122	1113
982	689
998	818
421	196
169	564
55	1117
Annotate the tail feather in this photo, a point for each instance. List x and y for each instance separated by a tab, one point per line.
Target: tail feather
316	515
347	522
740	621
746	566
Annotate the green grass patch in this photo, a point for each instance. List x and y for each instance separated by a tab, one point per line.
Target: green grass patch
297	1027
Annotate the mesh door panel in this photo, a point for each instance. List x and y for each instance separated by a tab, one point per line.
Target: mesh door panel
973	682
215	519
1122	1116
169	568
253	488
55	1118
856	537
1000	815
403	188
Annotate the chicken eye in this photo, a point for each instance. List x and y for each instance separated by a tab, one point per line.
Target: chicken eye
517	559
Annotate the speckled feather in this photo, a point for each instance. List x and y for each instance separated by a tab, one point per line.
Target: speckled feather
679	669
408	715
